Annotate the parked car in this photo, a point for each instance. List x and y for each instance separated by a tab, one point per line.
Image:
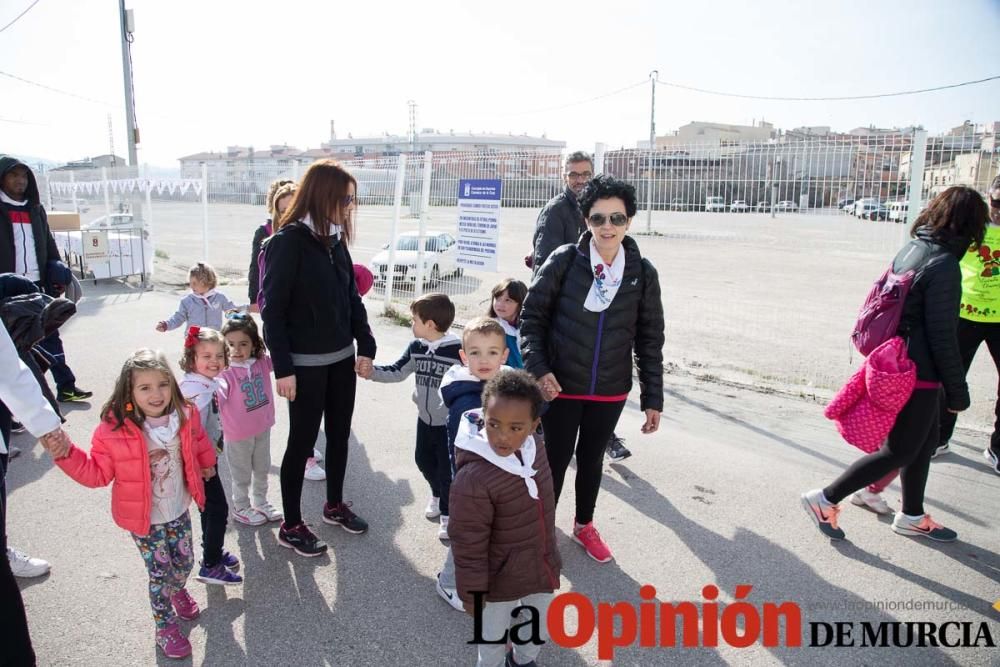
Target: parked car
845	204
738	206
876	212
898	211
763	206
786	205
715	204
440	258
860	204
113	221
678	205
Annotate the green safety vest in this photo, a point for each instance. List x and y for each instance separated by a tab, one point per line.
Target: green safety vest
981	279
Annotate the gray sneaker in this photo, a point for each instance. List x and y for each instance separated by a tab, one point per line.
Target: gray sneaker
823	514
924	527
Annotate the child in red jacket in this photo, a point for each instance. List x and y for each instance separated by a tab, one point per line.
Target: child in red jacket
150	446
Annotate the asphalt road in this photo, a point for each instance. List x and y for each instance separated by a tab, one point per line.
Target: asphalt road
710	499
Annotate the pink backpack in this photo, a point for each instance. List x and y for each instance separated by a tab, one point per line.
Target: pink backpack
879	318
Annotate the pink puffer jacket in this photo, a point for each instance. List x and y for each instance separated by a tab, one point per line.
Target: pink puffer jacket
120	457
865	408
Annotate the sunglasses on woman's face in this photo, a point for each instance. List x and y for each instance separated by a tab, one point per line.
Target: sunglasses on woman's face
349	199
598	219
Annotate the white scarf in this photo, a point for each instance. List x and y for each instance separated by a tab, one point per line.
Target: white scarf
607	279
166	434
510	329
470	438
206	296
199	389
335	230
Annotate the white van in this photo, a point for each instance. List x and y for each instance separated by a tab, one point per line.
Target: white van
717	204
897	211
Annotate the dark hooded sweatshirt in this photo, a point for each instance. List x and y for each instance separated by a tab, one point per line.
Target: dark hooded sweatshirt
32	214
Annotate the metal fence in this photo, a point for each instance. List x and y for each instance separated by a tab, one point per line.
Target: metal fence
765	250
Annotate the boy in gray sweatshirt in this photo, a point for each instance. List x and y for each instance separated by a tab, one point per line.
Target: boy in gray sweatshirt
434	351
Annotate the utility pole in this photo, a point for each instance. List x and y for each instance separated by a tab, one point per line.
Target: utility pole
652	147
127	21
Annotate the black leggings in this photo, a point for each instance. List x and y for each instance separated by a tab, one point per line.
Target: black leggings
431	456
322	393
912	440
970	336
594	421
213	520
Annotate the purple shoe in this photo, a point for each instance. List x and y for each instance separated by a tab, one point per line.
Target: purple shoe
218	574
231	561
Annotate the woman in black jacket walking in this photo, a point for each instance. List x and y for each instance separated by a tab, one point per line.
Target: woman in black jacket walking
951	223
312	317
591	307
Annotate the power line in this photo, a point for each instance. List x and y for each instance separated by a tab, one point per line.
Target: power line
826	99
55	90
22	122
18	17
577	103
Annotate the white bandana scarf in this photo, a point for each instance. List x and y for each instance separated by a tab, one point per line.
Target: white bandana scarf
470	438
163	435
607	280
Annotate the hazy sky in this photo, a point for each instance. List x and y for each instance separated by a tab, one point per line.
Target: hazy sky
214	73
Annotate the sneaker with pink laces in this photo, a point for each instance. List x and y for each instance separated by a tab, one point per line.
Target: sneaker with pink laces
172	642
184	605
588	538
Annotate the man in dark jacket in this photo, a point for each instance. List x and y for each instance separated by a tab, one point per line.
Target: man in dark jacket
27	248
560	222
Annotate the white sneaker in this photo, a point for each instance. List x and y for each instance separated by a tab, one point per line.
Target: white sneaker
314	473
317	455
270	512
449	595
943	449
871	501
433	509
24	566
13	452
443	529
249	517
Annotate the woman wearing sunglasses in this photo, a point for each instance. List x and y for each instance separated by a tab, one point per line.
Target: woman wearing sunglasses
592	306
979	318
313	316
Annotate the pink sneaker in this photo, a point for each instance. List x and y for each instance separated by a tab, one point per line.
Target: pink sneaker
588	537
172	642
184	605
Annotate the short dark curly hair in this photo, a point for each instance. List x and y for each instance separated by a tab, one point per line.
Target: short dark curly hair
605	186
517	385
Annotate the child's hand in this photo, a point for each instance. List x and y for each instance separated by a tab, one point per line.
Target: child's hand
550	386
208	473
161	326
364	367
652	421
56	443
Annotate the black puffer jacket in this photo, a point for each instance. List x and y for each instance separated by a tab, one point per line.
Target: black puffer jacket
591	353
930	313
312	305
559	223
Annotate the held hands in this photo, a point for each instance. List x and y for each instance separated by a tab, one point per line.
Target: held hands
161	326
208	473
56	443
286	387
550	386
364	367
652	421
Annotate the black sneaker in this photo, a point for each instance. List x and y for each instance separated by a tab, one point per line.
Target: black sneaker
617	451
73	394
341	515
16	427
301	539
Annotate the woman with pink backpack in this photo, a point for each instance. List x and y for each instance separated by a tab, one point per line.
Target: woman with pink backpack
942	234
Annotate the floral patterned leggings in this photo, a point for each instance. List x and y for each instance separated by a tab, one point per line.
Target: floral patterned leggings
169	560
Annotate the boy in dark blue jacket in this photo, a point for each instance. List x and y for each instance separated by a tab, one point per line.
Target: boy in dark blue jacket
434	351
484	351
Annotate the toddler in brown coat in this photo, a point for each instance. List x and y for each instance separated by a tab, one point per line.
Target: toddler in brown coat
503	516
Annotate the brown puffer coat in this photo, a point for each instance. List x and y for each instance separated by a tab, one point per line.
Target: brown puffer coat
502	539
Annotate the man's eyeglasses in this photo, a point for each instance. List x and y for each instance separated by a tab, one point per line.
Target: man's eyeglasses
598	219
579	176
